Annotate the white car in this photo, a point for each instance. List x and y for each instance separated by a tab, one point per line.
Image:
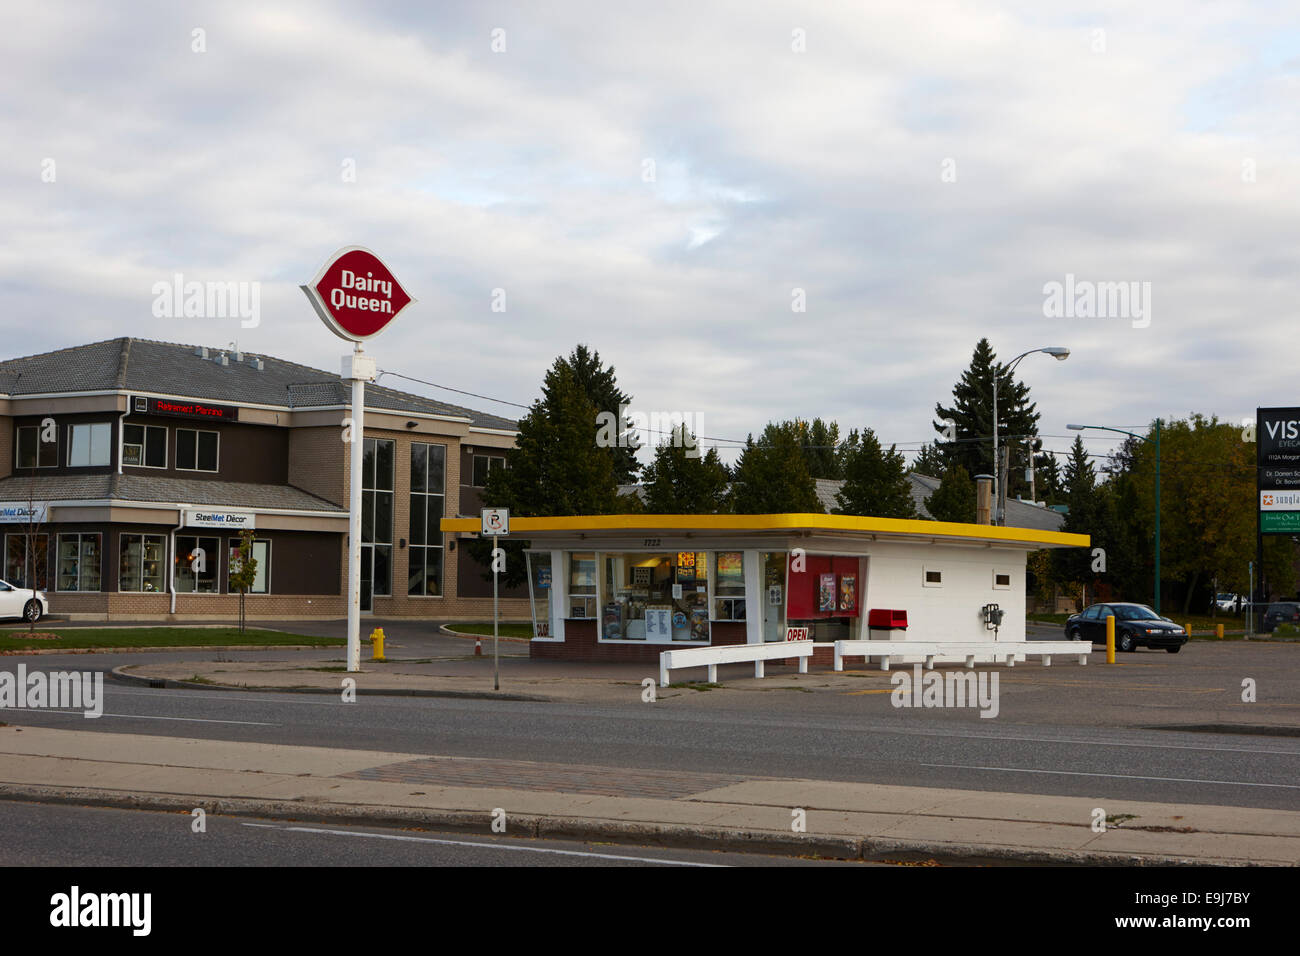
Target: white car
25	603
1227	602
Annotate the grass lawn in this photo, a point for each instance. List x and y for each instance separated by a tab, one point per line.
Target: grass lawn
522	629
75	638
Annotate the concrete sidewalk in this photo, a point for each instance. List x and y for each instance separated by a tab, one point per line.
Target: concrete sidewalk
723	811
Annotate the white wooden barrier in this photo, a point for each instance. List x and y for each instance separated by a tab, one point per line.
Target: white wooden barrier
711	657
993	651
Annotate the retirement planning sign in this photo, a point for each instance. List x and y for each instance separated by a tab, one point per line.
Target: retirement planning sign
1277	437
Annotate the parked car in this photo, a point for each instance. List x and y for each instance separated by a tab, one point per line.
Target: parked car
1228	602
1283	612
1136	625
25	603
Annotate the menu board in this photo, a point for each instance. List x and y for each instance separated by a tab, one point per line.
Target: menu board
685	565
659	623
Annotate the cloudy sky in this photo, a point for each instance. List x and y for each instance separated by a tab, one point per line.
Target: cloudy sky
669	182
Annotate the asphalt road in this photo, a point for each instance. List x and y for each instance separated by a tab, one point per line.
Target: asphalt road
34	834
770	733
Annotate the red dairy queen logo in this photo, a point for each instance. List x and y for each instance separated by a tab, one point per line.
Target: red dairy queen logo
356	295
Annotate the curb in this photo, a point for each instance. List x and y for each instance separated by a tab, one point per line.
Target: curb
168	683
156	650
867	849
444	629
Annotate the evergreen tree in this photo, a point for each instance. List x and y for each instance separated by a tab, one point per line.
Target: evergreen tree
931	461
555	468
1049	479
601	387
771	476
677	483
1087	512
875	481
954	499
972	414
820	443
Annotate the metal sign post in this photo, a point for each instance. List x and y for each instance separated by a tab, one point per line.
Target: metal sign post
496	522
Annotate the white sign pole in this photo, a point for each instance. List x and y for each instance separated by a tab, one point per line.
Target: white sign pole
358	368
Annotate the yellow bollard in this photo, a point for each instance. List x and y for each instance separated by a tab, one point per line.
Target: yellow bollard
377	643
1218	631
1188	629
1110	639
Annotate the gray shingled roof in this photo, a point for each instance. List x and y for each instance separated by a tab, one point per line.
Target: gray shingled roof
190	491
147	366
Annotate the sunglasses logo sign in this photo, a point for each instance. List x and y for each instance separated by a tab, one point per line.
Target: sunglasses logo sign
356	295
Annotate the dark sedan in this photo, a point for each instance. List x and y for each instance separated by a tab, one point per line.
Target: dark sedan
1136	625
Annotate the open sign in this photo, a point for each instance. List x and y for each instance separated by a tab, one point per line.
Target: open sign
797	634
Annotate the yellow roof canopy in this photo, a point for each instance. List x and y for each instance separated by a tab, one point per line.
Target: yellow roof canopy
568	525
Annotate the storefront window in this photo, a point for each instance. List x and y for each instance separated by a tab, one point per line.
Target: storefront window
729	586
89	444
656	597
539	591
79	562
261	553
428	479
140	567
27	560
34	453
773	595
144	445
582	585
196	562
376	519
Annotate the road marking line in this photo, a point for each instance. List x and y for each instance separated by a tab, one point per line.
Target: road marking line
197	720
471	843
1116	776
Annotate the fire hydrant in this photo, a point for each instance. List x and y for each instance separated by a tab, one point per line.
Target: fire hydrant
377	644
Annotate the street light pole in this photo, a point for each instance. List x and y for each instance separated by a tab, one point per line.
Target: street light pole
1156	442
1060	354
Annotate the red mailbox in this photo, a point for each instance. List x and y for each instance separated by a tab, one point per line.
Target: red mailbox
887	619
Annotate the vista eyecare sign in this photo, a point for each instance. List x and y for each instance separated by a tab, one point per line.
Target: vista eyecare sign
356	295
1277	440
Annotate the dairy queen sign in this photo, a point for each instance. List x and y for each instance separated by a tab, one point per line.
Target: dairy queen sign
356	295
